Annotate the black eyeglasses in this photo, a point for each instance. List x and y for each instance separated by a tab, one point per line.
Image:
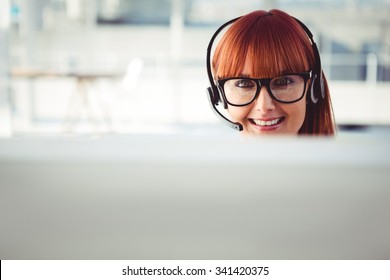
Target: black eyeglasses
241	91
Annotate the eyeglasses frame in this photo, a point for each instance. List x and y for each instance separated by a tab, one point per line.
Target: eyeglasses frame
260	82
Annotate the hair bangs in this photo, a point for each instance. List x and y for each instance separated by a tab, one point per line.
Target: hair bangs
266	41
230	54
275	51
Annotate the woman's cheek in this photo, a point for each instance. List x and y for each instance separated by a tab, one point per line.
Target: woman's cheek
238	114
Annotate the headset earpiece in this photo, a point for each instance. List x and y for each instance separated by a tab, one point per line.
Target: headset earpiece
317	90
223	99
322	86
313	89
215	92
211	95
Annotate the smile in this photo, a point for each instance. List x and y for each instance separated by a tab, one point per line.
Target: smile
267	123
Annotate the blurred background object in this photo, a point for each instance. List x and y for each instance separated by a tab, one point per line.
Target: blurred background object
120	66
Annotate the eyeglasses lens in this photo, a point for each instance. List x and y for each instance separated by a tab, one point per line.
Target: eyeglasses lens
242	91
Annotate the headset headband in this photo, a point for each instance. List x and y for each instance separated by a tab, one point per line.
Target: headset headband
210	46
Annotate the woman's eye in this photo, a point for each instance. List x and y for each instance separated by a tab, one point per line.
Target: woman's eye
283	81
245	84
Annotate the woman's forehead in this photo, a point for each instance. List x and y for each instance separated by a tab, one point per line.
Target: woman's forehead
254	68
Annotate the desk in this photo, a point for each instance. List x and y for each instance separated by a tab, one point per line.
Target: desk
84	88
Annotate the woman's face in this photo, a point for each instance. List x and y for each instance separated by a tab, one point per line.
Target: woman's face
266	116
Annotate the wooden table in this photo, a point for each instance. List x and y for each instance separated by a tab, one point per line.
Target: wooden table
84	84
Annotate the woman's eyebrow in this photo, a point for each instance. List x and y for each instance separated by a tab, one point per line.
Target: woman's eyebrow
244	75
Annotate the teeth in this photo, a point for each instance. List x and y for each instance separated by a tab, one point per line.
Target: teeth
266	123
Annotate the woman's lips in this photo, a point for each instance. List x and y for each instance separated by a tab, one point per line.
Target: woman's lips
268	124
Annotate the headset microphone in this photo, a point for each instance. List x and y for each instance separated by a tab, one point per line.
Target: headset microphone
235	125
212	91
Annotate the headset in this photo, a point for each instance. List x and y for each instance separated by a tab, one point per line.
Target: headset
317	90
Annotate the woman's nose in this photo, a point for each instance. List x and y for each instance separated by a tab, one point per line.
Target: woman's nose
264	101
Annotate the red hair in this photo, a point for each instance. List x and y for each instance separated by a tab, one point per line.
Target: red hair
275	43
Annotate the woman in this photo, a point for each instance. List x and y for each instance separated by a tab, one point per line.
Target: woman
266	70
